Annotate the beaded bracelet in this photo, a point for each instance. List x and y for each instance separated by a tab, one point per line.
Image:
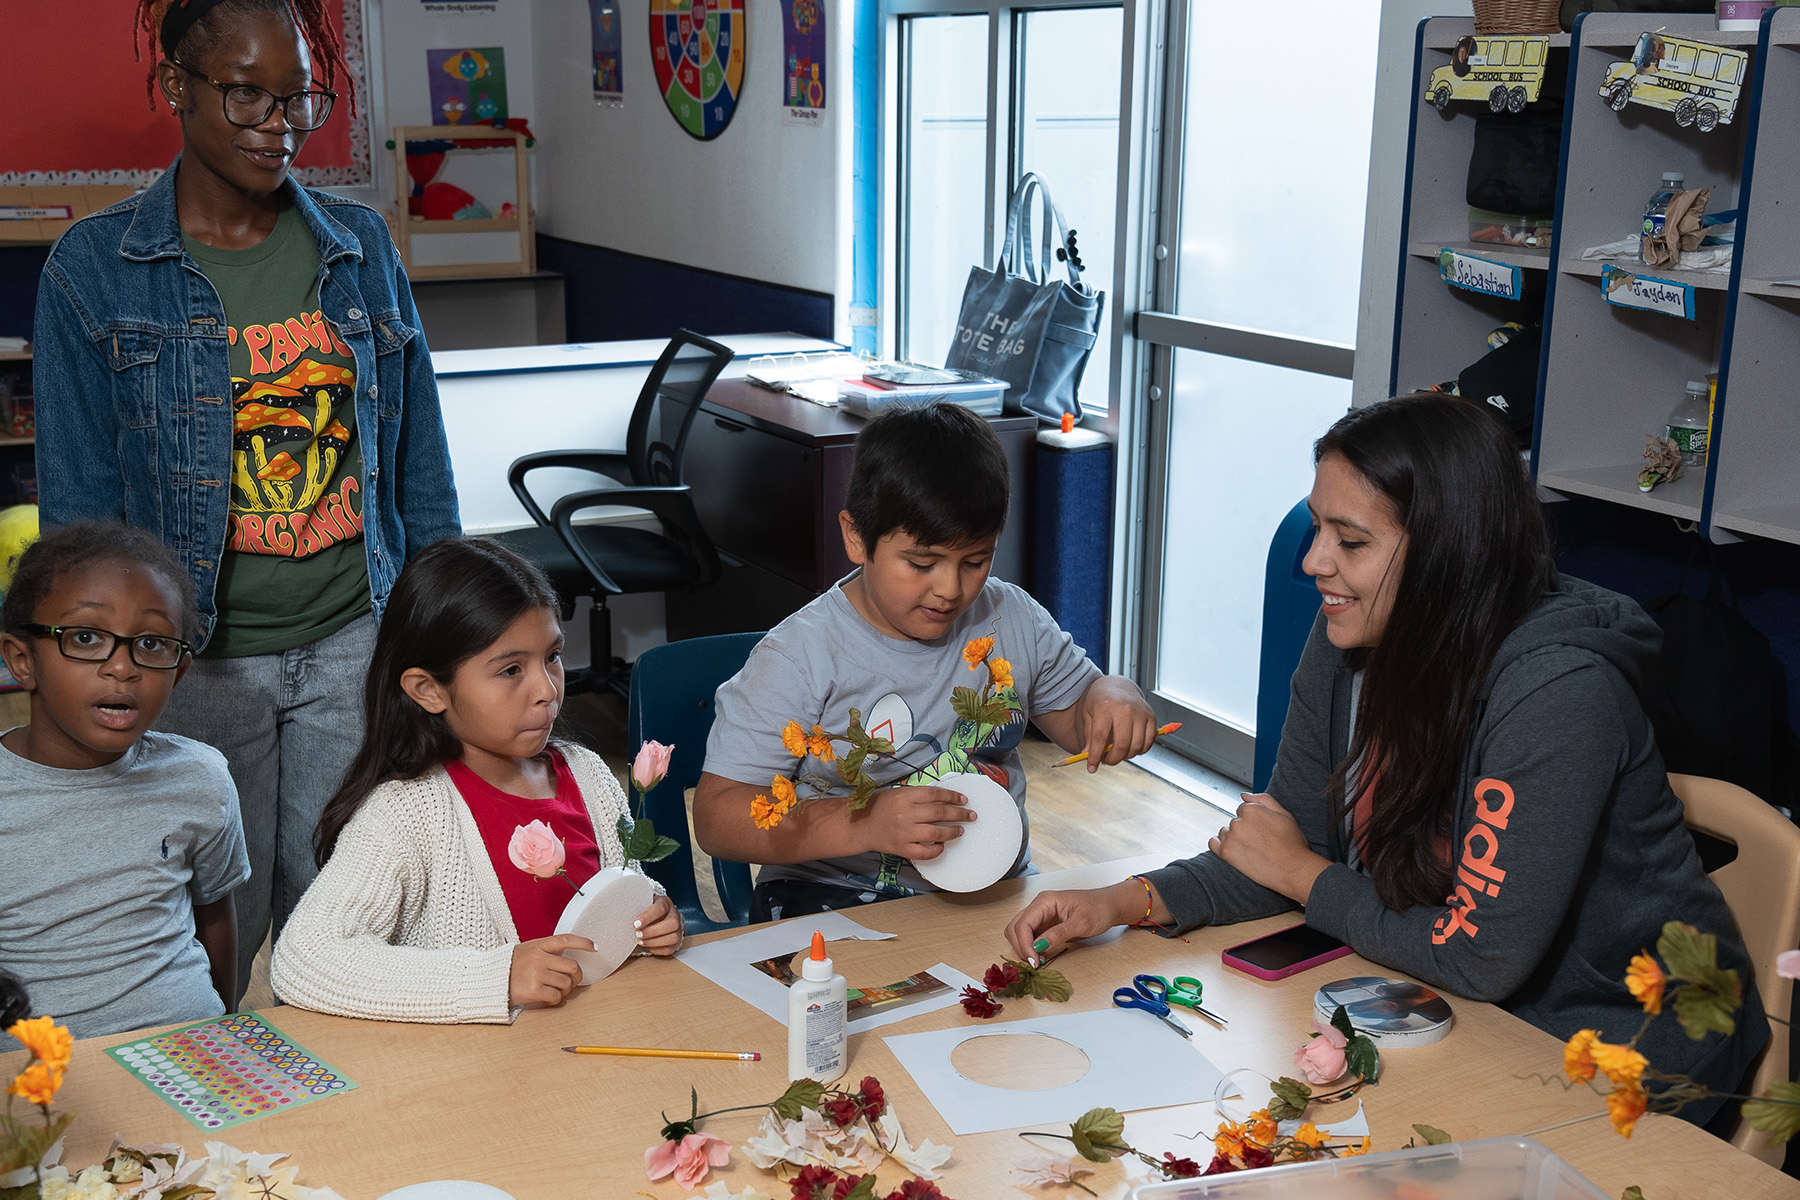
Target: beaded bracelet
1149	903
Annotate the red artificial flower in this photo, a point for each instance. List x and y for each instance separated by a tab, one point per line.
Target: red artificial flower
1257	1156
840	1112
1220	1165
917	1189
873	1099
978	1003
845	1186
814	1183
1178	1168
1000	976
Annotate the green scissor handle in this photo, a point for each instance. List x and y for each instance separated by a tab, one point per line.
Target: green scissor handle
1183	990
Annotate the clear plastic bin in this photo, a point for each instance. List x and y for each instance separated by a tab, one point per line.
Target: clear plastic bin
1489	1169
1510	229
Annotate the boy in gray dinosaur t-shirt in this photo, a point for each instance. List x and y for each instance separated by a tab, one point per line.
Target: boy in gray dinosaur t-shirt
121	846
926	504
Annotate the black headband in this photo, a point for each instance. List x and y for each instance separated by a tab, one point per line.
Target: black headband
182	16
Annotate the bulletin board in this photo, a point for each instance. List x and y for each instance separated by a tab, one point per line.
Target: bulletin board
87	118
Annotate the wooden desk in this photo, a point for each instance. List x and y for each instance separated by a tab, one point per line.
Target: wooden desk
503	1105
769	473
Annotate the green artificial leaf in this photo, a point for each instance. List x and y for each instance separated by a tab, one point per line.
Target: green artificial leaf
640	844
188	1192
1361	1056
851	765
864	1189
856	735
1634	1192
863	793
880	745
1291	1099
1706	1005
1047	983
1340	1021
801	1095
994	712
1688	953
624	828
965	702
28	1191
31	1142
1778	1113
1432	1134
1098	1134
660	849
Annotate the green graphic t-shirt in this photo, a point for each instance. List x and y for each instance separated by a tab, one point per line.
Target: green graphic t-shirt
294	568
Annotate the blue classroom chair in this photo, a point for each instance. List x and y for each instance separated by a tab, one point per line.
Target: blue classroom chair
1290	606
671	701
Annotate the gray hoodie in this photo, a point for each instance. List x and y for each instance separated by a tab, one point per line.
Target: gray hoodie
1570	844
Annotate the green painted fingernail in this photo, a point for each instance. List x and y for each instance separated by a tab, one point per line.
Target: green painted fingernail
1041	945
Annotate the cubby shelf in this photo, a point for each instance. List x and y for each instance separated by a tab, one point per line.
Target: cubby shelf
1609	375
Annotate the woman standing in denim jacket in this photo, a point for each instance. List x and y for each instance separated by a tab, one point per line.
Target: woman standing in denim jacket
234	361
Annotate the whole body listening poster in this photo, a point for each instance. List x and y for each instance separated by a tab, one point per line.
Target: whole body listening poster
608	44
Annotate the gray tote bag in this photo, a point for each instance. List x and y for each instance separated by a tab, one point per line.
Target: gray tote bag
1019	325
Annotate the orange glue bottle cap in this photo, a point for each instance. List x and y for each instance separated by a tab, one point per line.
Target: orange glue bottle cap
817	967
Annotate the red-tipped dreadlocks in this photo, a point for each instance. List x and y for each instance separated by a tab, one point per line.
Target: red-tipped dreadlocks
322	36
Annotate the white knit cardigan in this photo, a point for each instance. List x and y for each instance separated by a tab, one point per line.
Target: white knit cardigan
407	921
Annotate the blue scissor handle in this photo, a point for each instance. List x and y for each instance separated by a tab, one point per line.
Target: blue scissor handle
1141	995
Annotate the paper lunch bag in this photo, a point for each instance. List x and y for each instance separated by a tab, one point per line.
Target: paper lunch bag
1034	332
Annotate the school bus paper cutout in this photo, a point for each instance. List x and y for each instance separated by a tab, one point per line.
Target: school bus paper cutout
1506	70
1698	82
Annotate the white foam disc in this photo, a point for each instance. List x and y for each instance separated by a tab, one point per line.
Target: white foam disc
603	912
447	1189
989	844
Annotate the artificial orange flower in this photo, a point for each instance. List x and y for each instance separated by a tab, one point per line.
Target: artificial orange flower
1000	671
1230	1139
785	796
818	744
1578	1056
1263	1130
1308	1135
1621	1064
1353	1151
37	1084
1644	979
48	1042
764	813
793	739
977	650
1625	1105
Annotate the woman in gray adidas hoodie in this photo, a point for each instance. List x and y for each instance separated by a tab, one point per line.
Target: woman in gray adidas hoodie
1467	788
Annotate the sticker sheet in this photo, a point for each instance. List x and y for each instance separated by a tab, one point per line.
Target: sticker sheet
229	1070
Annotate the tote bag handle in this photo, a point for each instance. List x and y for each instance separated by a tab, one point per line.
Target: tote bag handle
1016	245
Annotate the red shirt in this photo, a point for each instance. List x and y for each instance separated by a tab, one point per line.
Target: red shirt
536	904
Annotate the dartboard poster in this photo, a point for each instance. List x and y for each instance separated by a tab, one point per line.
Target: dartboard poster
698	48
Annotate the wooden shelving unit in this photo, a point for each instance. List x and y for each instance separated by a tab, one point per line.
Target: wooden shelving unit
406	226
1609	375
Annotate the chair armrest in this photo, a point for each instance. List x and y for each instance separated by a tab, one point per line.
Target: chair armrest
674	506
613	464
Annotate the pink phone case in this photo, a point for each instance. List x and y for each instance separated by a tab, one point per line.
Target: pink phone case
1231	960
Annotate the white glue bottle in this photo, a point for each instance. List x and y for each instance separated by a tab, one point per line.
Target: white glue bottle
817	1019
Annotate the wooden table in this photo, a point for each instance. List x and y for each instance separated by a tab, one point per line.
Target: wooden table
504	1105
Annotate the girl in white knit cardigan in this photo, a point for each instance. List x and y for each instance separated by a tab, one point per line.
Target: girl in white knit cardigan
427	907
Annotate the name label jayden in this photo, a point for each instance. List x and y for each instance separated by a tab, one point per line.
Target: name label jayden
1480	275
1628	290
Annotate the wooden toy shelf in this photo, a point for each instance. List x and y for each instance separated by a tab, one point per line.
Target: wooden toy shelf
406	225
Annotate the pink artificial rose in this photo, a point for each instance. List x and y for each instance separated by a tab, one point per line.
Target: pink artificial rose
1322	1058
651	764
535	850
1788	963
689	1159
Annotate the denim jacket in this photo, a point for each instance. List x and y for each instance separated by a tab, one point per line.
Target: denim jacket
131	344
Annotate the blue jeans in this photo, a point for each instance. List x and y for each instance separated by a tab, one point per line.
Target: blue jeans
288	725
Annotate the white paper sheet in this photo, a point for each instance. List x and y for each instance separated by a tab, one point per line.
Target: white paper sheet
727	963
1134	1062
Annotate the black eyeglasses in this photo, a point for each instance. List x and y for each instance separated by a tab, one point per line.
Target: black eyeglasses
248	106
84	643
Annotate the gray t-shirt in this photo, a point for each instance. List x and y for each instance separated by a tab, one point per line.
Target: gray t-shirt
825	660
102	870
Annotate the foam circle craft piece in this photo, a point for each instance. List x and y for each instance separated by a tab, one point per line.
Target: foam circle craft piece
603	912
697	47
447	1189
989	844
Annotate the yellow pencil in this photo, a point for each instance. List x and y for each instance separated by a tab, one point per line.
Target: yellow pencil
1171	727
653	1052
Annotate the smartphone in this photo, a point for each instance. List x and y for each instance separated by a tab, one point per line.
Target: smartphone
1285	952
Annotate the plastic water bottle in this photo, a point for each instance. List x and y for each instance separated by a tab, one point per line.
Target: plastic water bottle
1657	207
1690	423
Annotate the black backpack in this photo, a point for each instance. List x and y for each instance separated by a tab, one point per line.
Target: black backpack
1711	694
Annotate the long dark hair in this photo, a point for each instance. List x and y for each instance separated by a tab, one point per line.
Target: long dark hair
453	600
1477	561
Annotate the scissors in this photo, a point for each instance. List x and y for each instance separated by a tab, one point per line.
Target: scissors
1183	990
1145	992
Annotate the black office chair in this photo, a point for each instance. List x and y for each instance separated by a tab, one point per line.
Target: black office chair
603	561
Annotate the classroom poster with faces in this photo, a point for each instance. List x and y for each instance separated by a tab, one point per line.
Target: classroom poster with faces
803	60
